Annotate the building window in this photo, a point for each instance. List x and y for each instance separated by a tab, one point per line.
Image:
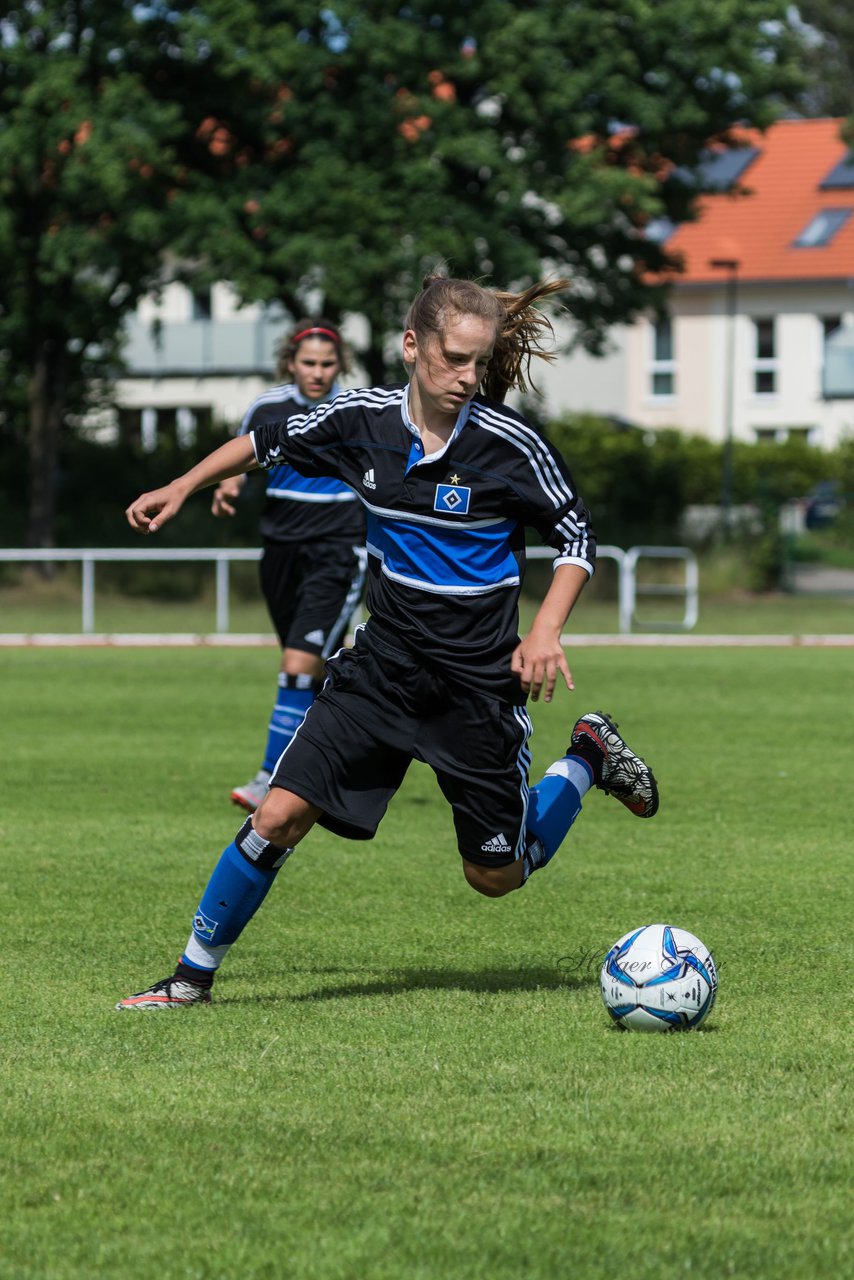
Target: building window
837	374
202	307
829	326
821	229
765	358
779	435
662	373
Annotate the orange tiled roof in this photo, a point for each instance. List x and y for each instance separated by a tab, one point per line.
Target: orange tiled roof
759	229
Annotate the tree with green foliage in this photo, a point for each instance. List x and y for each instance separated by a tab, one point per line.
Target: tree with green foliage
85	168
308	153
828	57
500	138
104	129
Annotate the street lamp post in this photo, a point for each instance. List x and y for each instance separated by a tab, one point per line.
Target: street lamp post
731	266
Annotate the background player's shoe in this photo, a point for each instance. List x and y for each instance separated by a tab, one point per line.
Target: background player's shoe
250	796
621	773
171	993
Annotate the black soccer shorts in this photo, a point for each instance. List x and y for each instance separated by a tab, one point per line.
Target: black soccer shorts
379	709
311	589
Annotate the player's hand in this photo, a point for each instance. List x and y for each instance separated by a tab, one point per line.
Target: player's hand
537	660
151	510
225	496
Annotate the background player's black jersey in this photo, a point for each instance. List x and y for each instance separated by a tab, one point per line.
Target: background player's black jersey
301	508
446	533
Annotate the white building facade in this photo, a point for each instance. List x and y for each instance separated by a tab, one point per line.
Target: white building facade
759	373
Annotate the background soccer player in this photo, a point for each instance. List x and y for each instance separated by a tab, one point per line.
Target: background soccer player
449	479
313	563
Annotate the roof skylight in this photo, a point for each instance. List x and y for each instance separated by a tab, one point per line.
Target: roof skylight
821	228
840	177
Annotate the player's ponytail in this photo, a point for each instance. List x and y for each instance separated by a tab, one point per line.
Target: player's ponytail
521	328
521	337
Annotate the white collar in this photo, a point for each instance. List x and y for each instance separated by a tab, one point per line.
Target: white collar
462	419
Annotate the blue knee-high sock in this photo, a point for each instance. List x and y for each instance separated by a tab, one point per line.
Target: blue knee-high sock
234	893
295	696
553	805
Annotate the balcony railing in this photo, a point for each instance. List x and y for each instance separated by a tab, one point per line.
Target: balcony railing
193	347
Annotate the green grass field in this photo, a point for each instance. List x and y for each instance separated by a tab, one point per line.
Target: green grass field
399	1079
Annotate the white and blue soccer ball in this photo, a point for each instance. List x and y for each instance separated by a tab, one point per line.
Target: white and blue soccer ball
659	978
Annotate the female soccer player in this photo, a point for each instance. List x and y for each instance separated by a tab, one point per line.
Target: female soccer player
313	564
449	479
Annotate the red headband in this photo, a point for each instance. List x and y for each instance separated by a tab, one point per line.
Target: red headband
327	333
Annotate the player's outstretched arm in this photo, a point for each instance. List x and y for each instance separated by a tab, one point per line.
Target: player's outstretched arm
539	658
149	511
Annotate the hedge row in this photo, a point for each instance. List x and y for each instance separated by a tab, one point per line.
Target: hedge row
637	484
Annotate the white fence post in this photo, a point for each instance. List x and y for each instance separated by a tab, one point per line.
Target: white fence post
222	595
87	588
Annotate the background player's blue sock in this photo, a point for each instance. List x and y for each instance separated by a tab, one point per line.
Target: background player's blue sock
295	696
553	805
234	893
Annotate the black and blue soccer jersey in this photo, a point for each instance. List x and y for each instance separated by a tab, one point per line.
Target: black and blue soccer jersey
446	533
302	508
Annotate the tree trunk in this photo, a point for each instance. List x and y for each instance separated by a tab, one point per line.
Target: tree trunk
46	404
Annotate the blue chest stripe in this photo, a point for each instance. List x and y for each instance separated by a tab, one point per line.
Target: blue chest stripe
437	557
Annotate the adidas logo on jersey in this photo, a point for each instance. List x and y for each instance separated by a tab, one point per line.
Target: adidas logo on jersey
368	479
498	844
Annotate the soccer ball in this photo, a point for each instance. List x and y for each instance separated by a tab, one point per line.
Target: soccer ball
658	978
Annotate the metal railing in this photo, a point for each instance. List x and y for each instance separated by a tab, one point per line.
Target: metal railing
88	557
221	558
630	589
